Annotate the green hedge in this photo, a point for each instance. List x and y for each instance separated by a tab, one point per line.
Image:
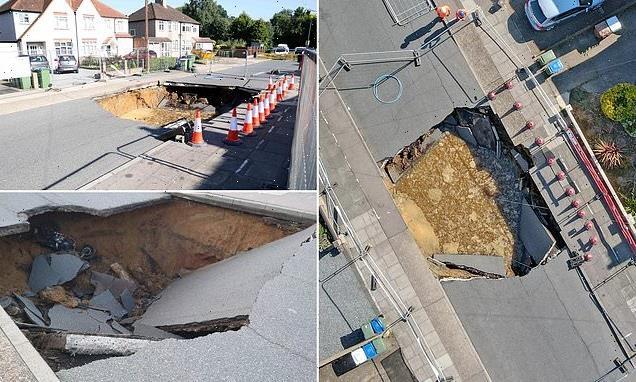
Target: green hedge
619	104
161	63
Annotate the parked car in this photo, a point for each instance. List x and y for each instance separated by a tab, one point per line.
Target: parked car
39	62
299	49
66	63
284	46
546	14
140	53
280	50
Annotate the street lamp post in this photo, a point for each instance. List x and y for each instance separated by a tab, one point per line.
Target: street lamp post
147	41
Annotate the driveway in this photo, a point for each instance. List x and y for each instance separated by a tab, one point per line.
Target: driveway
66	80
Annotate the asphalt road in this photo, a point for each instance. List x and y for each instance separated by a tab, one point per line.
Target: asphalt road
431	91
67	145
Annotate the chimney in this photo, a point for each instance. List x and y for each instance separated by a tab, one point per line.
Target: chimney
161	2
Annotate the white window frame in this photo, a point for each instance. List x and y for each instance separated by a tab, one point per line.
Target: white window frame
61	21
24	18
120	25
89	47
194	29
34	49
162	25
63	47
89	22
186	28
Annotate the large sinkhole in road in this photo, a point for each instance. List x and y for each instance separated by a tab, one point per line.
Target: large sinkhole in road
162	105
464	192
108	270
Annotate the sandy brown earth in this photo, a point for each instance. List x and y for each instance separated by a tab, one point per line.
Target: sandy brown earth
142	105
448	203
154	244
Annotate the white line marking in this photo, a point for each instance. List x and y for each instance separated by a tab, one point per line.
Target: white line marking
241	167
270	129
259	144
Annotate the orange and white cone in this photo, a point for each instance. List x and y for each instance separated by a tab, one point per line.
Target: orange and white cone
285	86
232	138
266	104
261	109
271	82
272	100
248	129
292	84
280	93
256	120
197	134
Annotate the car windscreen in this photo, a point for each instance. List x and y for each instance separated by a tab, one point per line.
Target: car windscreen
37	58
537	12
585	3
67	58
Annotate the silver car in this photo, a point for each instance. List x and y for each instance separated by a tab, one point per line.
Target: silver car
38	62
546	14
66	63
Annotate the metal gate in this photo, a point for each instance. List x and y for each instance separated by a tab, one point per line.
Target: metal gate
405	11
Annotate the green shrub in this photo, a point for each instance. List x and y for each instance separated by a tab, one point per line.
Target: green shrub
161	63
619	104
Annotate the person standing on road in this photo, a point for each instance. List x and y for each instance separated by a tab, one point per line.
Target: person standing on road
443	12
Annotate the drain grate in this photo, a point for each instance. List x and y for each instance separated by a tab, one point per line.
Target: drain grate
405	11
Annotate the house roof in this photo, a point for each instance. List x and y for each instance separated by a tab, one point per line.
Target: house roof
24	5
105	11
203	39
159	12
40	5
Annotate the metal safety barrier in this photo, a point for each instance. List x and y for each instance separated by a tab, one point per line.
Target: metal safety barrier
336	215
302	171
405	11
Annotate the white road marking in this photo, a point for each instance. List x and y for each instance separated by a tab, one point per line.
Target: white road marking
241	166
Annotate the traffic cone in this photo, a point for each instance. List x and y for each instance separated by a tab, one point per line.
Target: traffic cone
270	82
197	134
266	105
292	84
232	138
261	109
256	121
279	93
272	100
247	122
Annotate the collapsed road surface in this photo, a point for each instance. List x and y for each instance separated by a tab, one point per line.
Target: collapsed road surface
87	277
67	145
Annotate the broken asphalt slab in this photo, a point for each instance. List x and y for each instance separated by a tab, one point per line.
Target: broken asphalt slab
54	269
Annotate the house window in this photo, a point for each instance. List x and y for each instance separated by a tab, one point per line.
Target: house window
35	49
120	26
162	25
24	18
89	23
175	26
165	49
175	46
89	47
63	47
61	21
194	29
133	32
185	28
186	47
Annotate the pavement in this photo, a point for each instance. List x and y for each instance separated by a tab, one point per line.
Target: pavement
60	149
278	344
345	304
260	162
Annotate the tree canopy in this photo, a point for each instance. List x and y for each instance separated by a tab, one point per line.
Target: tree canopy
287	26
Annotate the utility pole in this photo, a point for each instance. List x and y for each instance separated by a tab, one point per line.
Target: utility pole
147	42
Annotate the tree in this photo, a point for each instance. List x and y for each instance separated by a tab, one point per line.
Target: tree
241	27
215	22
261	31
294	27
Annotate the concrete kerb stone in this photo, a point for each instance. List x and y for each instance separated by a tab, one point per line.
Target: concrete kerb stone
253	207
31	358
